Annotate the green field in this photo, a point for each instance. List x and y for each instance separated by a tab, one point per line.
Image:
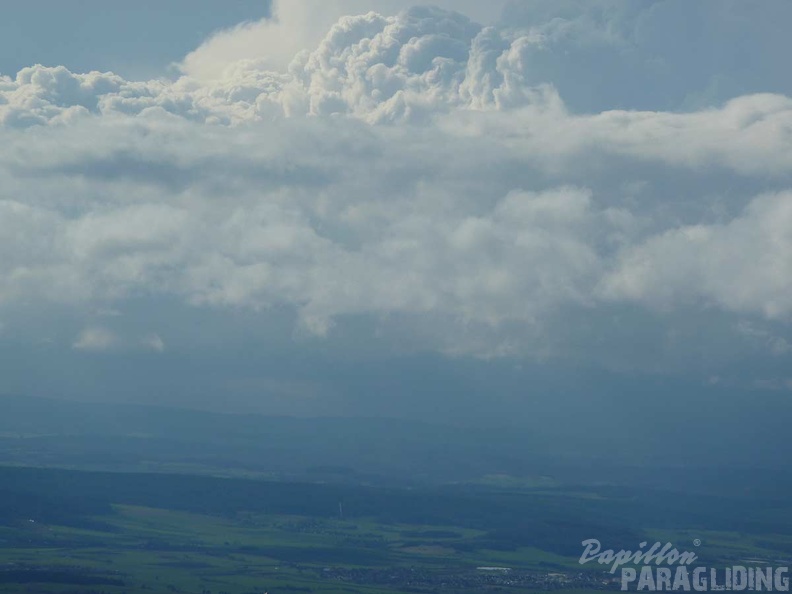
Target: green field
76	532
156	550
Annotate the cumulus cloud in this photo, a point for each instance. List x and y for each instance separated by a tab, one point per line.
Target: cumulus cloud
742	265
154	343
410	164
95	339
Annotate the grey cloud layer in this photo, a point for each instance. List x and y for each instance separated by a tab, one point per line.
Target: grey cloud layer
437	179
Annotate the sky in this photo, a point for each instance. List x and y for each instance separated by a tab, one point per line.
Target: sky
466	212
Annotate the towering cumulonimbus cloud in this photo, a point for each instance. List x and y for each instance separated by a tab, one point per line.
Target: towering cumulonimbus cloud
423	61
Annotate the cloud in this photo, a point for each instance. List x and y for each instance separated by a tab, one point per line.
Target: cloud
272	41
412	167
654	55
294	27
154	343
375	67
740	266
96	339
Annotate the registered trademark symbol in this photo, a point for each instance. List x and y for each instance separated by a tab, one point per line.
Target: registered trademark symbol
696	542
